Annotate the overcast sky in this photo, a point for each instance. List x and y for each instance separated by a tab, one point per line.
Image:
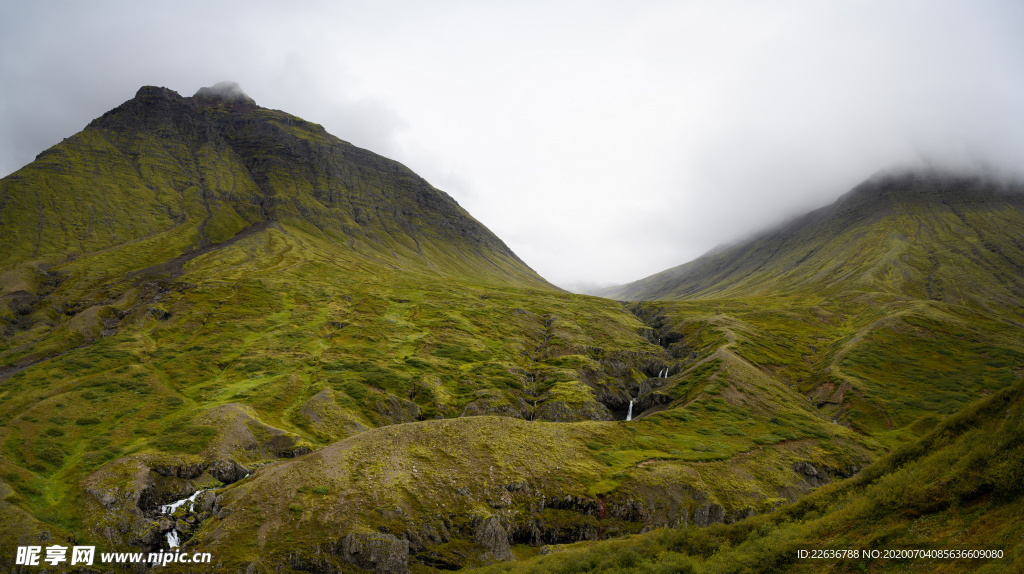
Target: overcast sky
602	141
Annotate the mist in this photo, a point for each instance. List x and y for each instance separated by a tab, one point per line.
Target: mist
602	142
226	90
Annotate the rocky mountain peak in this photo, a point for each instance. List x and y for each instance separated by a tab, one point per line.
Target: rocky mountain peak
157	92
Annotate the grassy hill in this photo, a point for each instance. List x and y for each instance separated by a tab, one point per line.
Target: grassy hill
203	294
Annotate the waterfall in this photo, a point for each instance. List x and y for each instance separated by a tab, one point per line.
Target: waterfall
170	508
629	415
173	541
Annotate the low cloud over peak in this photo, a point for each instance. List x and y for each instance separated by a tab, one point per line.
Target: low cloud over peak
226	90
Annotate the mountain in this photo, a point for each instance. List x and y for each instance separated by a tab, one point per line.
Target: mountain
162	175
927	235
202	298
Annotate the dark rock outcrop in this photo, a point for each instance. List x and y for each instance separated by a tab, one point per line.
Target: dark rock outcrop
376	552
817	475
228	471
708	513
491	535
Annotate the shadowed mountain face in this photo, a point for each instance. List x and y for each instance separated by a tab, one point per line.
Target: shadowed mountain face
929	236
202	294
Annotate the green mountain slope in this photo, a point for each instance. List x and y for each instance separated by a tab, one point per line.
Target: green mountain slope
924	235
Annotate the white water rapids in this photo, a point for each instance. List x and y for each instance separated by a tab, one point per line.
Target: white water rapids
170	508
173	540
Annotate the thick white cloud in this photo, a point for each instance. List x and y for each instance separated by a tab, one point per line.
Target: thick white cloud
602	142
